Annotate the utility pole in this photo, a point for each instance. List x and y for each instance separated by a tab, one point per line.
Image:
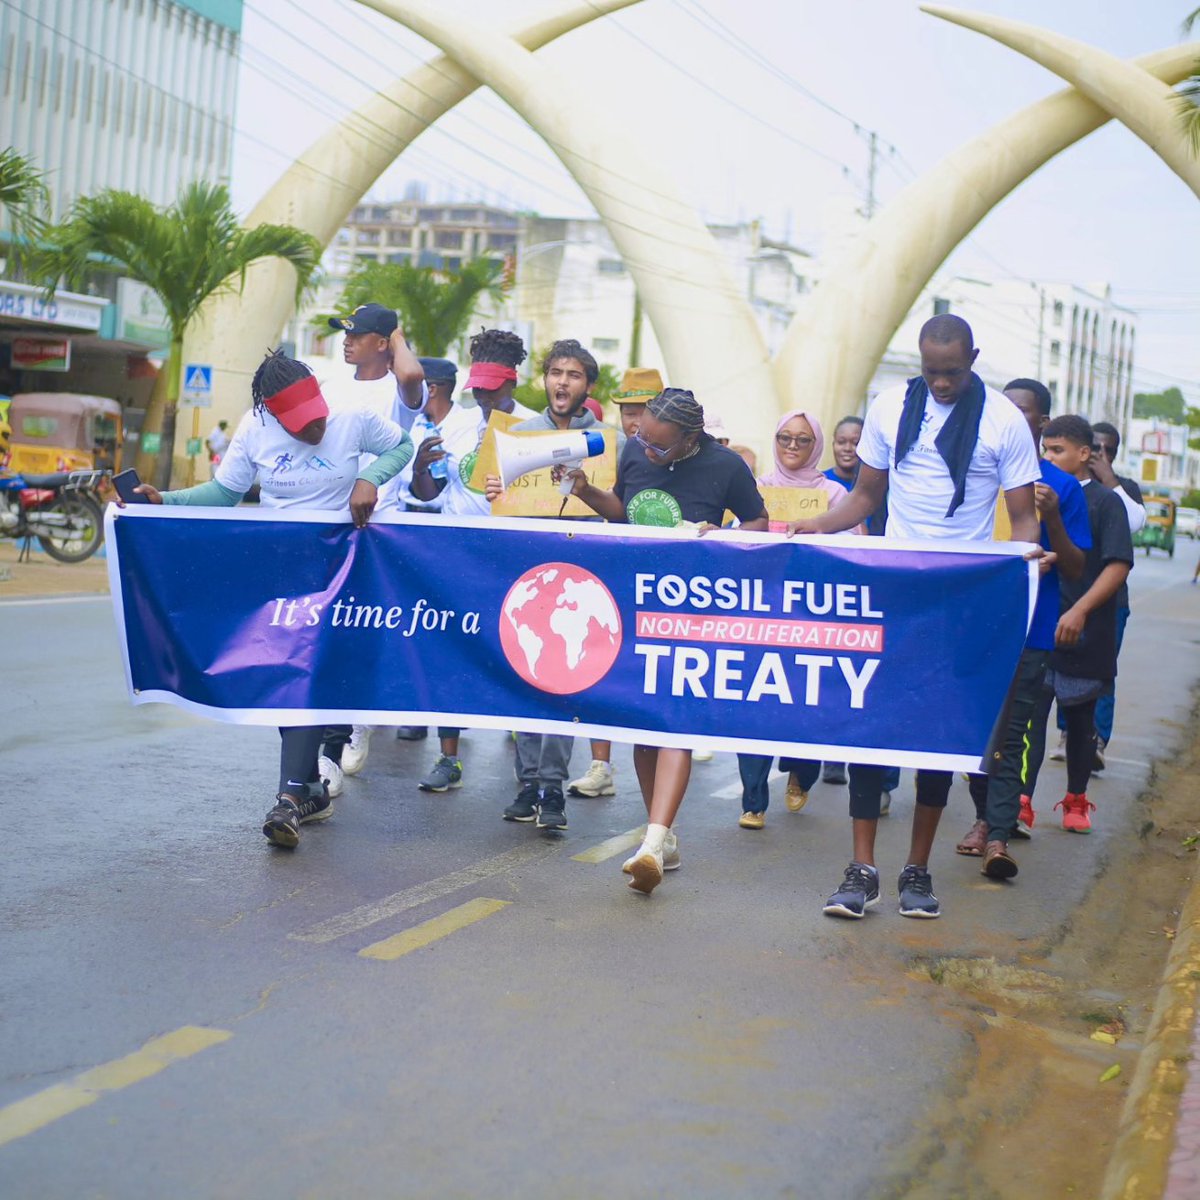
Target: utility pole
635	339
872	163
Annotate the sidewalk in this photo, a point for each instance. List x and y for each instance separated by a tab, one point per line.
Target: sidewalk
1157	1153
42	576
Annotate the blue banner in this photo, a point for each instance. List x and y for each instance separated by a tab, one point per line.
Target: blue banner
839	648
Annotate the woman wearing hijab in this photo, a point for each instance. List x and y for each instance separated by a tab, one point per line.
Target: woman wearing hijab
799	445
274	446
670	452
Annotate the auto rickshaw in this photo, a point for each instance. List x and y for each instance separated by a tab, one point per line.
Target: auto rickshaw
1159	530
64	431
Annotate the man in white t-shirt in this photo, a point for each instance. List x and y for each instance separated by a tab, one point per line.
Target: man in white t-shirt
939	448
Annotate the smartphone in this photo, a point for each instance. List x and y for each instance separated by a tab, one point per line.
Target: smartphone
124	485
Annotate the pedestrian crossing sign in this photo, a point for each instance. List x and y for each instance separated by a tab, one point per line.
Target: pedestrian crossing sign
197	385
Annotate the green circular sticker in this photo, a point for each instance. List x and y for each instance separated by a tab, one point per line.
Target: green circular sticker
654	507
466	468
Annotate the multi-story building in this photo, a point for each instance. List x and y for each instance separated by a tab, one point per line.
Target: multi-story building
1157	453
130	94
1075	339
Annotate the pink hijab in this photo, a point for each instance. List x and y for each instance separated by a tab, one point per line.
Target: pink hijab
809	475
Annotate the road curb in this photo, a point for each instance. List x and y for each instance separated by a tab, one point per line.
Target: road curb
1140	1161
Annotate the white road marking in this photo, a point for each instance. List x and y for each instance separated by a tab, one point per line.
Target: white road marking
422	893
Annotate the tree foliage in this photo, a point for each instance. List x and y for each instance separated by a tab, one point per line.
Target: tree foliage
1167	405
533	393
24	202
435	306
185	252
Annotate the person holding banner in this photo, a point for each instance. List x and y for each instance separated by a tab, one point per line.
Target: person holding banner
671	454
275	445
944	444
799	447
568	371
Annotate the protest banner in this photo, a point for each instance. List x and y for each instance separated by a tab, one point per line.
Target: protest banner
839	648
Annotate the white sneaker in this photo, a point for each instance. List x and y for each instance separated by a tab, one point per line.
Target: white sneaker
702	755
331	773
1059	753
645	870
597	780
354	756
670	854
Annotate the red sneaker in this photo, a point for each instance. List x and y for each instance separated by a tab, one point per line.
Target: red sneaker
1025	819
1075	808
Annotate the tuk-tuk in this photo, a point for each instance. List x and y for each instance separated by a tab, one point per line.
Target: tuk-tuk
63	431
1159	530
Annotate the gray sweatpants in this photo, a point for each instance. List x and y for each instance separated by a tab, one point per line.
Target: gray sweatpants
543	758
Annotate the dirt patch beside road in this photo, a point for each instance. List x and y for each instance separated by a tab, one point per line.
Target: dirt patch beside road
42	576
1034	1118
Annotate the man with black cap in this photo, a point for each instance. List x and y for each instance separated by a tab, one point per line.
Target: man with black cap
387	374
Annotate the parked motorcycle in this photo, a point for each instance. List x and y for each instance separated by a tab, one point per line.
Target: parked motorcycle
60	510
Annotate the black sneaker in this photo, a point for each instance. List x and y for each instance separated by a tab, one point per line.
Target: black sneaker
552	812
859	891
282	824
525	806
916	894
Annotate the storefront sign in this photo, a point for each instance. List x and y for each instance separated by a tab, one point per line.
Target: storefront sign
41	354
27	303
141	316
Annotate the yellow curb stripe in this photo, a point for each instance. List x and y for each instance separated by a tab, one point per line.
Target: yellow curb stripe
44	1107
433	929
611	848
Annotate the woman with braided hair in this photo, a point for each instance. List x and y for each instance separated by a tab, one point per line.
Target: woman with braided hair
304	456
670	455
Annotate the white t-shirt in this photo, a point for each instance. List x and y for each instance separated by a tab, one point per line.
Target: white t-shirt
461	448
458	426
294	474
920	489
382	397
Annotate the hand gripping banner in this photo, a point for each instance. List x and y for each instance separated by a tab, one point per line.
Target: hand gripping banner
842	648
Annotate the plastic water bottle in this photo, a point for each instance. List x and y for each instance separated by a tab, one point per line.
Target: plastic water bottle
437	468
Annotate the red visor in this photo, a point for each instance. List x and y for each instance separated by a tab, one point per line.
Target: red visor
490	375
298	404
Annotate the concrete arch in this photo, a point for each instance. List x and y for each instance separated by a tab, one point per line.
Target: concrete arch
707	331
319	190
842	332
1134	98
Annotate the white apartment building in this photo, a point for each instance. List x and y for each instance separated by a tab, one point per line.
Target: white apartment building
1075	339
130	94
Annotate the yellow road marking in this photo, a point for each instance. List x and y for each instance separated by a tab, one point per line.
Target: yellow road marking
429	931
611	848
40	1109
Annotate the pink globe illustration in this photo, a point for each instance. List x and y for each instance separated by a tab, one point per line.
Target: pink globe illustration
559	628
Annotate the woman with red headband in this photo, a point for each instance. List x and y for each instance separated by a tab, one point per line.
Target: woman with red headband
276	444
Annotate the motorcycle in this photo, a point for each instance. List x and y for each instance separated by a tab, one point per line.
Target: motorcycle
60	510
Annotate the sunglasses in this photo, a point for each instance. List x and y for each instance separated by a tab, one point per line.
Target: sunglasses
794	443
660	451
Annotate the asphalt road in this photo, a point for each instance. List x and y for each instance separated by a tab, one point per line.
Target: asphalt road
186	1011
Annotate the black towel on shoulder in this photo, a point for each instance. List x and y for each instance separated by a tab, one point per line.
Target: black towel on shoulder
956	442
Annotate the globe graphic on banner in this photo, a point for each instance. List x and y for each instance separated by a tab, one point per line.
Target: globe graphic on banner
560	629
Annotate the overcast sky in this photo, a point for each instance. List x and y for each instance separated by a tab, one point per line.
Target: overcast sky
752	105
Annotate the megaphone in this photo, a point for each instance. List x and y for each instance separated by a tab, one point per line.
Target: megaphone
518	454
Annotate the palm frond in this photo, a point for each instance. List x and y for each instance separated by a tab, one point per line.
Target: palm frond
24	201
1189	110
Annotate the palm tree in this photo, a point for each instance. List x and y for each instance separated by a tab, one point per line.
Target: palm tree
185	252
24	201
1189	94
435	307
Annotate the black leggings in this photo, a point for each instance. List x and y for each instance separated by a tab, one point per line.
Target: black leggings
866	789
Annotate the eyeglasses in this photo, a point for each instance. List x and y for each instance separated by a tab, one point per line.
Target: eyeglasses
658	450
794	443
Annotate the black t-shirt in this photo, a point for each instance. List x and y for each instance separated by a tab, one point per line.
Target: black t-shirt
1131	489
704	486
1095	654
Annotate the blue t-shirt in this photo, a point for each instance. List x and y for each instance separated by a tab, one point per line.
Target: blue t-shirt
1072	504
877	521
